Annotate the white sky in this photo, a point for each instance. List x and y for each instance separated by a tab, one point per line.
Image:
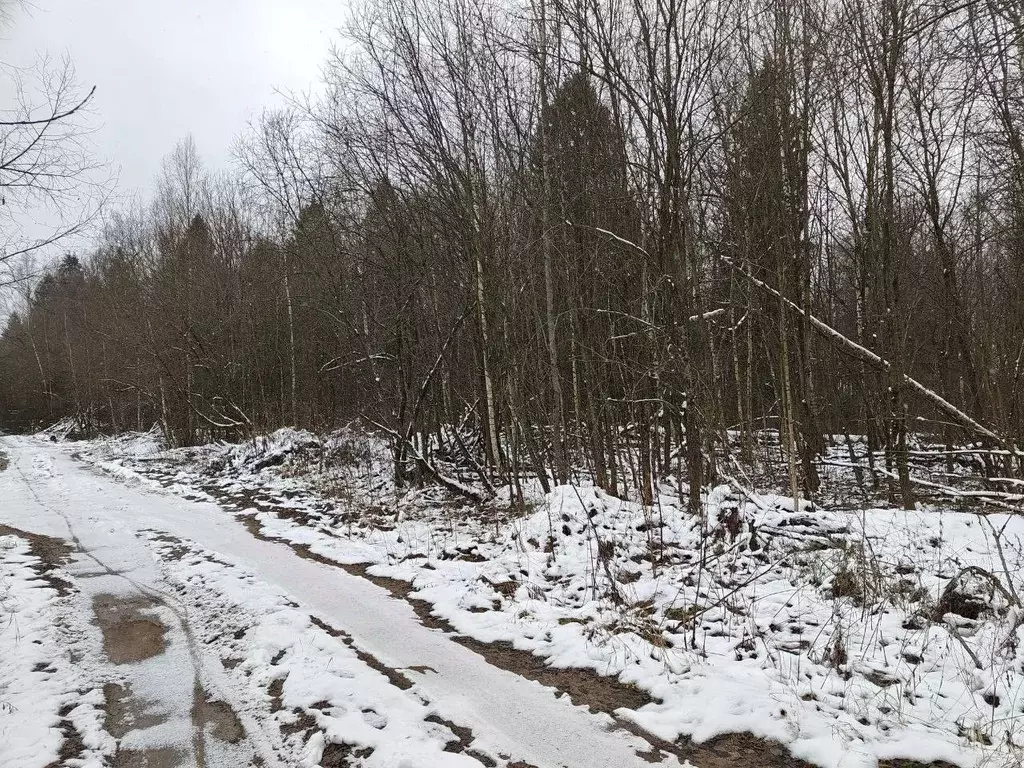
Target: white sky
167	68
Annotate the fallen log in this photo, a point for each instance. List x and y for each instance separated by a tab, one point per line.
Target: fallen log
877	362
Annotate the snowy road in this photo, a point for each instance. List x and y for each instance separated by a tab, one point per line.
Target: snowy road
160	559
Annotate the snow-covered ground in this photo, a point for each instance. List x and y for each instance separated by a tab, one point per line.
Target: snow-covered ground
45	697
848	636
297	670
290	661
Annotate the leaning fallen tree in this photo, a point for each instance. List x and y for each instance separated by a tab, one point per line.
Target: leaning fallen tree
879	363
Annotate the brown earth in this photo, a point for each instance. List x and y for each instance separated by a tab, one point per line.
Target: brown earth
150	758
72	747
129	635
124	713
221	719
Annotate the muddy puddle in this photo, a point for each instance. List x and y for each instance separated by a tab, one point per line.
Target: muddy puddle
130	633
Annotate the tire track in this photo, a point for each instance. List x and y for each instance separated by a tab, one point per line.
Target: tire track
126	642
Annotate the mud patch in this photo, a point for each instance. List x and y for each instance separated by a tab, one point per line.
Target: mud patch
736	749
463	736
304	723
276	693
3	461
174	549
129	635
343	755
150	758
72	747
216	716
51	554
125	713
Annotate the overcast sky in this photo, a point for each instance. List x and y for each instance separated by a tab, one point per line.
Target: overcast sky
166	68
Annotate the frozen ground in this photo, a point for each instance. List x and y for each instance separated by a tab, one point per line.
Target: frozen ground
288	661
849	636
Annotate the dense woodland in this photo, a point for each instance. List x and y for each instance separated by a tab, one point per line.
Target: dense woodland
620	237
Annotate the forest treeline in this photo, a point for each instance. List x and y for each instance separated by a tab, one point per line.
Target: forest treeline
614	236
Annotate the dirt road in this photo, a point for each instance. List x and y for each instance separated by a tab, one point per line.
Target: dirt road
203	662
